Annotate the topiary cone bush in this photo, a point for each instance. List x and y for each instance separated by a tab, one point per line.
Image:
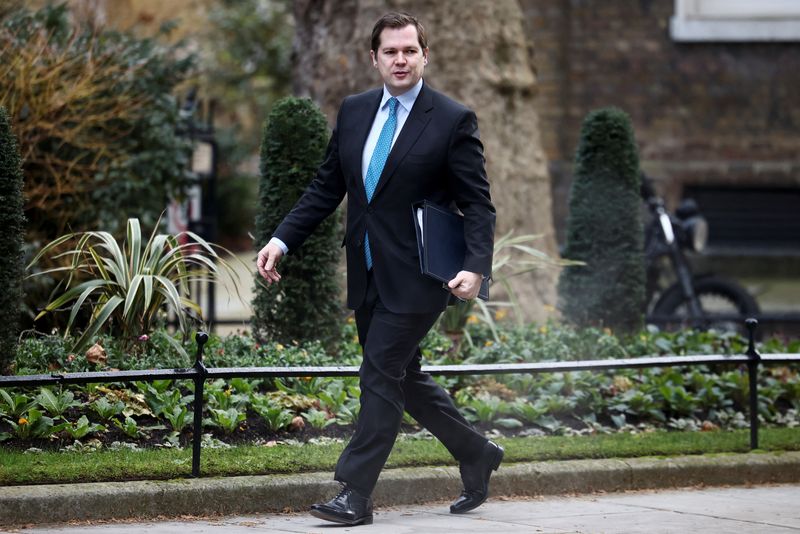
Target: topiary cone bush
305	304
604	229
12	222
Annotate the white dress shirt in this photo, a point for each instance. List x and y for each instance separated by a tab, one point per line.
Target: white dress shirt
405	103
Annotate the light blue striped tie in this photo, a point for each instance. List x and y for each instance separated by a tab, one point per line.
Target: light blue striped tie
377	162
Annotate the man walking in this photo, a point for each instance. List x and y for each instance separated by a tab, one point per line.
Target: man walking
392	147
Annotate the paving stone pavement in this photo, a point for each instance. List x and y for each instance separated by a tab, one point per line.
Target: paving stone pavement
760	509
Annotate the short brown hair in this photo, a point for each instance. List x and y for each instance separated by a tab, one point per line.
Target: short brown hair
396	21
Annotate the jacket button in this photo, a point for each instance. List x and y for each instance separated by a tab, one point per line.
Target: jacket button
370	209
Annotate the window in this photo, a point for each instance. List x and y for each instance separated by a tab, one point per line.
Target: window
736	20
749	220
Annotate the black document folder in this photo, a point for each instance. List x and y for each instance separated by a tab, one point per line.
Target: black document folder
440	239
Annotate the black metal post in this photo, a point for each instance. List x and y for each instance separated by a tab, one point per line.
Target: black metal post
752	372
197	430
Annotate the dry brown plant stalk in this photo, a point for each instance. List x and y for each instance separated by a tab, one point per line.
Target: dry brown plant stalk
68	114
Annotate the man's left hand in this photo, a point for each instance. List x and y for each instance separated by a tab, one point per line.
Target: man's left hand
465	285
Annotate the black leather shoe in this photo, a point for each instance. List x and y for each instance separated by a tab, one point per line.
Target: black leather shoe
348	508
475	476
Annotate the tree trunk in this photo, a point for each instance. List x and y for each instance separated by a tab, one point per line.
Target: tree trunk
479	56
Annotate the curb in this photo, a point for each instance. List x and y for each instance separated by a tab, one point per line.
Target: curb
277	493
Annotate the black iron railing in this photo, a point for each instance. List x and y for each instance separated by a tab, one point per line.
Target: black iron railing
199	373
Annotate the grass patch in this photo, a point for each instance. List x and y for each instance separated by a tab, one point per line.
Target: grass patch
60	467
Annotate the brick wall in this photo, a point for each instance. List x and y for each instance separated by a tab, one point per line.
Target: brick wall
721	114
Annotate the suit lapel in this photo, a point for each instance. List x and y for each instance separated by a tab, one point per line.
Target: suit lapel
415	123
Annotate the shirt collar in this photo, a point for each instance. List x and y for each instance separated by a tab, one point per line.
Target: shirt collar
406	100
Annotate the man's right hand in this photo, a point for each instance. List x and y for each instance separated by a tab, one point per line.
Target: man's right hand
268	258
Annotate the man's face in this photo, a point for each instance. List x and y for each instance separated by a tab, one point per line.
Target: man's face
400	59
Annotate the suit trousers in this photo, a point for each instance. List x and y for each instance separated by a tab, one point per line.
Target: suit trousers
391	381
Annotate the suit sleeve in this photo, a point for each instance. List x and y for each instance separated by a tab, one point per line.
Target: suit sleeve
319	200
469	186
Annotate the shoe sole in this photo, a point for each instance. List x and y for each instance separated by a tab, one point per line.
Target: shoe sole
498	458
366	520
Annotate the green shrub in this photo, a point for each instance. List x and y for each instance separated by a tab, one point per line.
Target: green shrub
96	120
12	221
604	229
305	304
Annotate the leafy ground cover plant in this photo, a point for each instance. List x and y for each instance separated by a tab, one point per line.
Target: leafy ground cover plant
82	428
33	424
106	409
246	411
56	403
179	418
221	396
274	415
15	404
228	420
129	427
319	419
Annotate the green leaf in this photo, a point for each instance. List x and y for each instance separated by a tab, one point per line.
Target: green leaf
73	293
97	323
52	245
133	292
134	245
155	251
47	400
148	291
508	422
664	344
175	344
91	286
618	419
167	288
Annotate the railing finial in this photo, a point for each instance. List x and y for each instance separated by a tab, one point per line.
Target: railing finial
201	338
751	325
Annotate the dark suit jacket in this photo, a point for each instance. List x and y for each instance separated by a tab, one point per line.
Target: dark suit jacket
438	157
